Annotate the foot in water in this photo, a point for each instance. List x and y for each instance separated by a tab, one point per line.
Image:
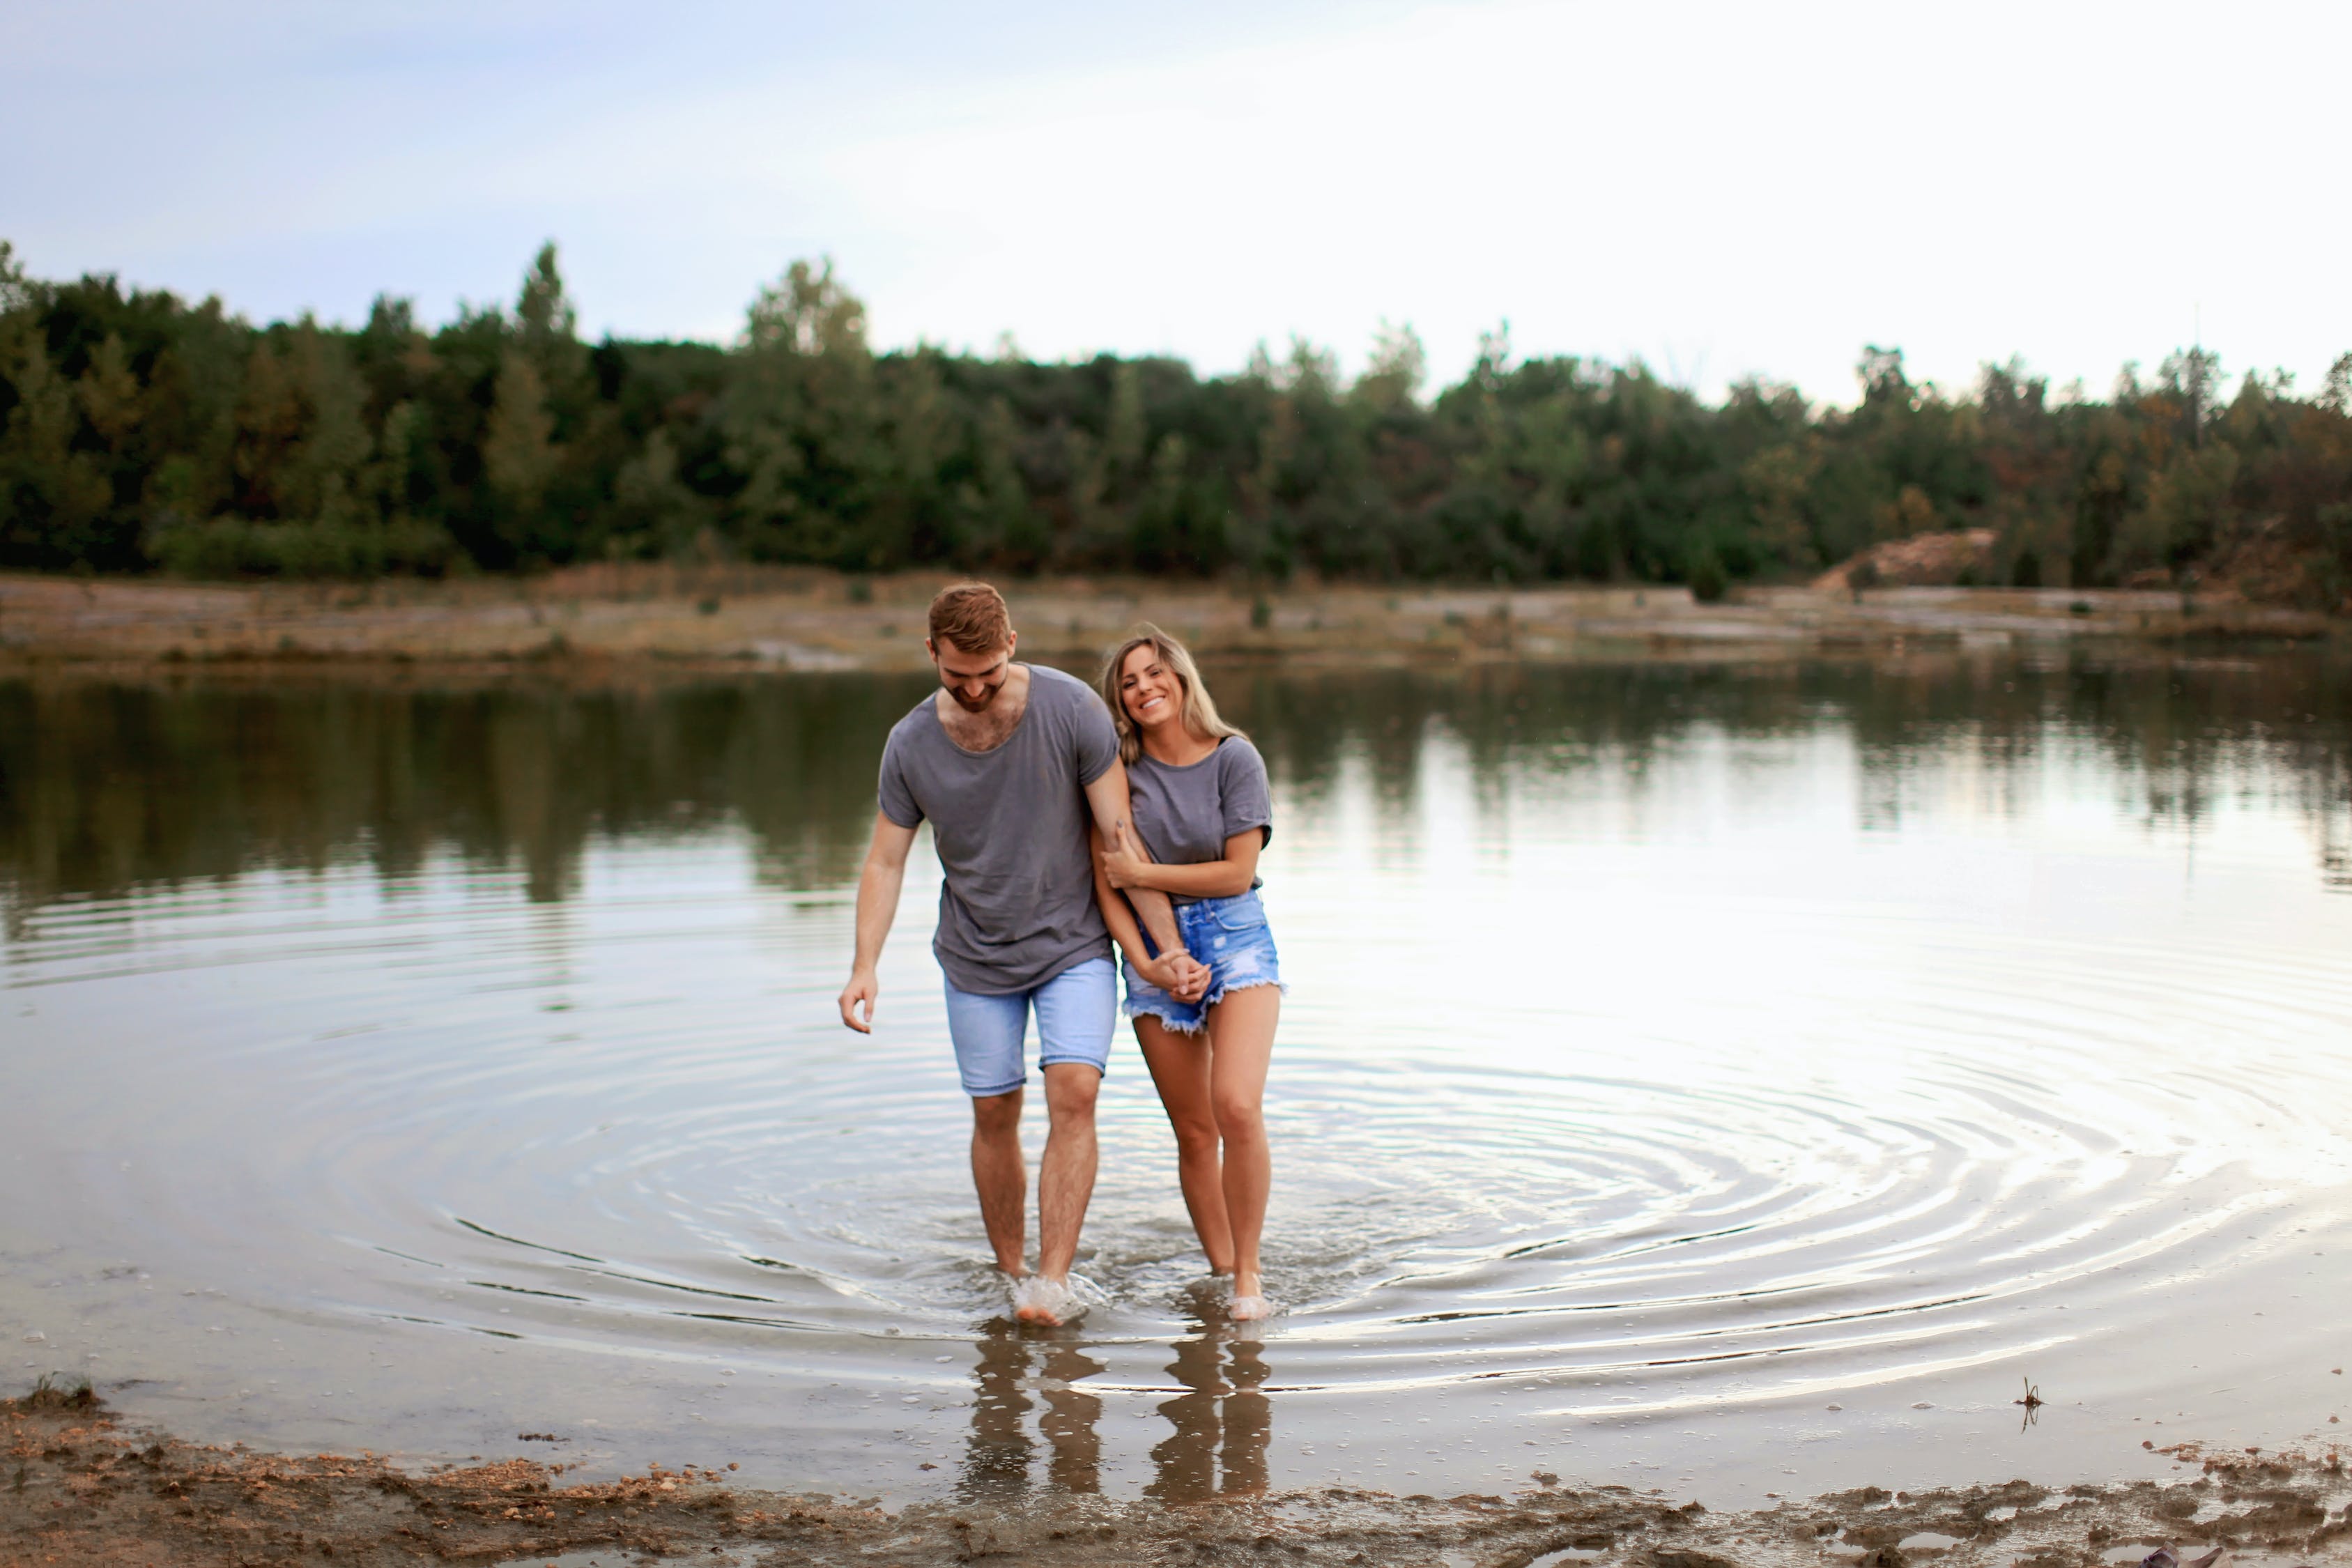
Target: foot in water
1038	1299
1248	1303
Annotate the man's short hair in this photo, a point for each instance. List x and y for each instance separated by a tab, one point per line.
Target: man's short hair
972	616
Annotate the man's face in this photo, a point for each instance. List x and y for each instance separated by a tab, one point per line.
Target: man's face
973	680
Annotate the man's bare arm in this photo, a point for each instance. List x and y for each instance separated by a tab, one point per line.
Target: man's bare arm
1120	916
1107	798
877	905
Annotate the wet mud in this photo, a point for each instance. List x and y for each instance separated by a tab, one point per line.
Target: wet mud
79	1486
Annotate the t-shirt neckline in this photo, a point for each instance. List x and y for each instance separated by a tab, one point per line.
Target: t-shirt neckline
1208	756
997	749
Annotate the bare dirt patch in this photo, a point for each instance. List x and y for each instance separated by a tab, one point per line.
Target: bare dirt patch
605	620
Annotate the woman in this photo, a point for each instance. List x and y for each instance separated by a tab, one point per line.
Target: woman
1201	805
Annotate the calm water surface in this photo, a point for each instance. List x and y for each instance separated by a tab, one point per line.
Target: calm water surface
1728	1080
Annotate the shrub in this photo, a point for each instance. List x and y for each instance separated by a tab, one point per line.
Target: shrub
1708	582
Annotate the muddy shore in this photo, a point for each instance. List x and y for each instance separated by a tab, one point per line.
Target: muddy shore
640	618
83	1486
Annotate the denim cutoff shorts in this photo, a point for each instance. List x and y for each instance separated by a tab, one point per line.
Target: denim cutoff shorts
1229	935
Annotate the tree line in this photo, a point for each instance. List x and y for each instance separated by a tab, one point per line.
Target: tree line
138	432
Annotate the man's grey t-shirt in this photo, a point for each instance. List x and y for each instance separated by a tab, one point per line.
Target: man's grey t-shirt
1186	813
1017	907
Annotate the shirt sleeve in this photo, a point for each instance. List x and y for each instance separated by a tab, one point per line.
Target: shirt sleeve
1094	741
897	800
1242	789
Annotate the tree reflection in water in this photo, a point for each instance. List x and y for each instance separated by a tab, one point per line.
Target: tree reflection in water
1222	1419
106	787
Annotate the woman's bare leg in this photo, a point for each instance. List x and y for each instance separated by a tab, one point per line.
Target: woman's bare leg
1180	1070
1241	1041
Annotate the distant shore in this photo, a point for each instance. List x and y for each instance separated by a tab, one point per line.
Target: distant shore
88	1489
741	618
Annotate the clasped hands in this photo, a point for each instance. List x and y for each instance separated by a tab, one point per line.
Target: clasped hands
1178	973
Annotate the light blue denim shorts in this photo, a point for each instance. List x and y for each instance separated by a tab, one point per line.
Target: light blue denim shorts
1229	935
1077	1013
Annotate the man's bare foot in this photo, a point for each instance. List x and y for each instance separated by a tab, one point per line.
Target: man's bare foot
1048	1302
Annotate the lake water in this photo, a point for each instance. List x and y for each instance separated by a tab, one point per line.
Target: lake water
1725	1080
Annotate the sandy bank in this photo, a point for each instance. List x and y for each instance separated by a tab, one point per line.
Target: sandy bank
748	617
85	1489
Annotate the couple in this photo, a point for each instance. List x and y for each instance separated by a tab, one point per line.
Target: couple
1064	822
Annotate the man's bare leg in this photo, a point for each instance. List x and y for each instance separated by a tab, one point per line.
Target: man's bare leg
999	1175
1066	1176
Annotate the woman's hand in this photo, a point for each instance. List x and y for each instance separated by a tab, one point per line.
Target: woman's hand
1122	868
1179	975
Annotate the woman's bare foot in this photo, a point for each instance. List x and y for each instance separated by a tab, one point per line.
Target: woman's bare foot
1249	1302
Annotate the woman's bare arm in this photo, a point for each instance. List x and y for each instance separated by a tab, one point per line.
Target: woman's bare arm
1226	878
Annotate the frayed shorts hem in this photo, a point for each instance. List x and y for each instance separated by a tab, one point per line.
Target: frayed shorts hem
1200	1019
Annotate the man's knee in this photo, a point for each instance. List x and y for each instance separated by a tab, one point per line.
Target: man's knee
1071	1088
995	1115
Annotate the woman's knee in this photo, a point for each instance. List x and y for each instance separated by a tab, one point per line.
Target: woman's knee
1196	1137
1240	1118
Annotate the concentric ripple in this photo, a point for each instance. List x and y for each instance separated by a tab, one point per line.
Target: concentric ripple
1611	1104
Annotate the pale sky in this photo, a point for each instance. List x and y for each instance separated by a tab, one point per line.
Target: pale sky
1720	189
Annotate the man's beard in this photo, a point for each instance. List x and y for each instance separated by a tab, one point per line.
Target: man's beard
975	704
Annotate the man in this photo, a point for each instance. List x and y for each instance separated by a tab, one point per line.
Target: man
1009	763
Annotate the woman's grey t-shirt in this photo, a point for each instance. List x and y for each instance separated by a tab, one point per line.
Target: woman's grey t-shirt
1017	906
1186	813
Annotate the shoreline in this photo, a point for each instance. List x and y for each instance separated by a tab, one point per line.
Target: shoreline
641	621
87	1487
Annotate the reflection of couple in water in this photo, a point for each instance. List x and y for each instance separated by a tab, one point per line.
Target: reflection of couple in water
1222	1419
1062	822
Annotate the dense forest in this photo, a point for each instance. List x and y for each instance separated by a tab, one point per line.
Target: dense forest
138	432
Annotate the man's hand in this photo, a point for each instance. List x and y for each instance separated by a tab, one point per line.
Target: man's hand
863	987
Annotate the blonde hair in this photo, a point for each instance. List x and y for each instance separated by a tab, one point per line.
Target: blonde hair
1198	710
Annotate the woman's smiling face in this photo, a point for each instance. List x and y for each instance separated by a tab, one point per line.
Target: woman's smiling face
1148	688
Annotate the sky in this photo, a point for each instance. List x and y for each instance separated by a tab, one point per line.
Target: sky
1719	190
